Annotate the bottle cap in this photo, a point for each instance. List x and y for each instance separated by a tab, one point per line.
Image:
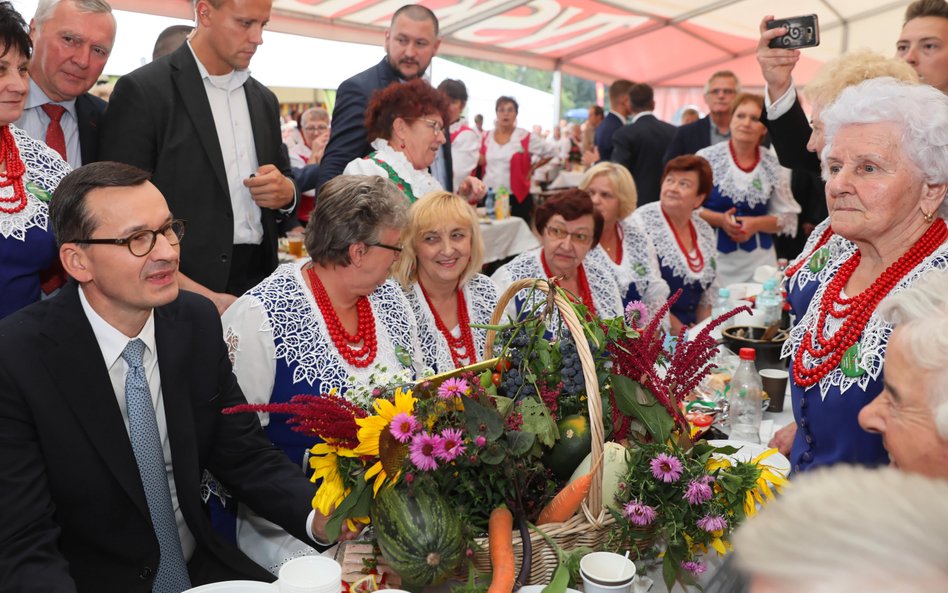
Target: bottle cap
770	284
748	354
724	292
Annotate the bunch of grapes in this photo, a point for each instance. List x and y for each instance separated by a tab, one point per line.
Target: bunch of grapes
571	371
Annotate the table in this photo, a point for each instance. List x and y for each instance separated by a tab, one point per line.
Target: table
506	238
567	179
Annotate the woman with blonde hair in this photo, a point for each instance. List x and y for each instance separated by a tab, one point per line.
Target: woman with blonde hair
442	251
624	248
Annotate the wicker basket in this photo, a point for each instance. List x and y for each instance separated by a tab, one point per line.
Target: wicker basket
591	526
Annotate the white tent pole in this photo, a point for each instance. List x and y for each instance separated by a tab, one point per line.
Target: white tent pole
557	94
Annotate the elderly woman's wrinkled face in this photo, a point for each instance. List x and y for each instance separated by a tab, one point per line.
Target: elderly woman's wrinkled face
680	192
14	84
745	123
566	243
443	253
422	137
902	414
873	192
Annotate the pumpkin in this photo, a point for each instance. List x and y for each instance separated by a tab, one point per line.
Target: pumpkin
419	534
573	446
614	468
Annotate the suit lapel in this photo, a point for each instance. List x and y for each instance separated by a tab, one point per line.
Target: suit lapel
187	80
256	105
75	363
88	121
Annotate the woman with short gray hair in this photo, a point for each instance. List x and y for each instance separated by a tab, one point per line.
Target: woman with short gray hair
315	324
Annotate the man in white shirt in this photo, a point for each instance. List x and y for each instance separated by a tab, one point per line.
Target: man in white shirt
111	400
465	140
210	135
72	40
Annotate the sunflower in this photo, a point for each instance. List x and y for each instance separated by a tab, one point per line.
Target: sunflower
332	490
761	492
376	441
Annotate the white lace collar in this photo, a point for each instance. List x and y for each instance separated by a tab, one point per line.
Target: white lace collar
420	180
751	189
837	247
44	169
651	219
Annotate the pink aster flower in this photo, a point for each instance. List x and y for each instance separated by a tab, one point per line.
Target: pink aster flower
712	523
694	567
697	492
452	444
423	449
480	441
453	388
636	314
403	426
639	514
666	468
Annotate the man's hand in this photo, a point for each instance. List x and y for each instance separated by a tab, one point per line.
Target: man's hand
319	529
776	65
783	439
591	156
269	188
472	189
318	148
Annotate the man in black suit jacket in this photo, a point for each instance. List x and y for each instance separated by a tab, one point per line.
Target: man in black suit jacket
618	112
170	116
61	74
719	92
411	42
639	146
74	513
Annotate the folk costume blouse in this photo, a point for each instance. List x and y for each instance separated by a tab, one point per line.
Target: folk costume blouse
391	164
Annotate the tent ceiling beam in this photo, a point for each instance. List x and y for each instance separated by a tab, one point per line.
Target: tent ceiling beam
481	16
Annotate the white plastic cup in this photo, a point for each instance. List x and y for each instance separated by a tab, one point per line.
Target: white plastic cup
605	572
310	574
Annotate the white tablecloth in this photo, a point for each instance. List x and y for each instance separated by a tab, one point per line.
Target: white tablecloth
567	179
506	238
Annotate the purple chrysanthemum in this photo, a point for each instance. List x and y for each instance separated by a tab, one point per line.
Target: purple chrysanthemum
666	468
480	441
639	514
452	444
694	567
423	449
636	314
403	426
712	523
698	492
453	388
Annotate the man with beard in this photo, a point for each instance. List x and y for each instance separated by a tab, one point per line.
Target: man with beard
411	41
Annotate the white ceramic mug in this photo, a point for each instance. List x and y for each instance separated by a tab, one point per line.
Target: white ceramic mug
606	572
310	574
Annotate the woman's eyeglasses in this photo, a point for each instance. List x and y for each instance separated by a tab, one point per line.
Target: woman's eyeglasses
560	233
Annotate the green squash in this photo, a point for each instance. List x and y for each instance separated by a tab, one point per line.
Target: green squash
573	446
419	534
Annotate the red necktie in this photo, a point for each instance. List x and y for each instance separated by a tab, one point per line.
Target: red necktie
55	138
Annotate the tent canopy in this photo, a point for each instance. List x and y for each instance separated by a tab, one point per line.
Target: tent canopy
672	43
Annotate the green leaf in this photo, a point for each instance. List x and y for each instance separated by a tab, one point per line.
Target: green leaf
478	415
519	443
347	509
638	402
669	571
537	419
493	454
504	404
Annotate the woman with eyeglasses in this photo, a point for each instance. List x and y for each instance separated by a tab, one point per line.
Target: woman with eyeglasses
313	325
29	172
405	124
438	269
569	227
624	246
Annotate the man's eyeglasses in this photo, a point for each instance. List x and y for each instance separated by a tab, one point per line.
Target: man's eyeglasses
725	92
435	125
140	243
561	233
394	248
315	129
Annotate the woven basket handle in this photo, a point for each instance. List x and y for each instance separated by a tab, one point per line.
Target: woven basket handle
593	399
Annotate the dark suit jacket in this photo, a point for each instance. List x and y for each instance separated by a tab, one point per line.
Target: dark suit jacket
689	139
73	513
159	119
89	112
639	147
790	133
604	132
348	140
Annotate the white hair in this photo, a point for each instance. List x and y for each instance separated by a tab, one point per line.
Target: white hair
921	313
45	8
920	110
850	529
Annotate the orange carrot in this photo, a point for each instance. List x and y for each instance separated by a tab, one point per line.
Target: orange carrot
568	500
500	545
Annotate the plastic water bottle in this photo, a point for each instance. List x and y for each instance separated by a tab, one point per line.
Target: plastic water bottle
722	305
744	400
489	203
769	303
502	203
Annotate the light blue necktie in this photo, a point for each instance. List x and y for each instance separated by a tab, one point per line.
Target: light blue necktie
172	574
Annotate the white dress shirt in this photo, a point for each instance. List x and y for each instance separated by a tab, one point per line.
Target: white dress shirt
34	122
228	102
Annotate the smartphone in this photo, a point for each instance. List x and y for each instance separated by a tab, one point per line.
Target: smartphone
802	31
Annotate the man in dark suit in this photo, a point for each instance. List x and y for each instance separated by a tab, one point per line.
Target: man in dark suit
639	146
102	453
618	112
210	136
59	109
411	42
715	127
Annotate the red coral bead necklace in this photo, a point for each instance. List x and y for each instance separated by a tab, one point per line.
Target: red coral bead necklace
585	295
695	262
730	146
10	154
365	334
855	311
462	347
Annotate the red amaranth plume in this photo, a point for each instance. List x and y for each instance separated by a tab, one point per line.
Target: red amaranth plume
330	417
